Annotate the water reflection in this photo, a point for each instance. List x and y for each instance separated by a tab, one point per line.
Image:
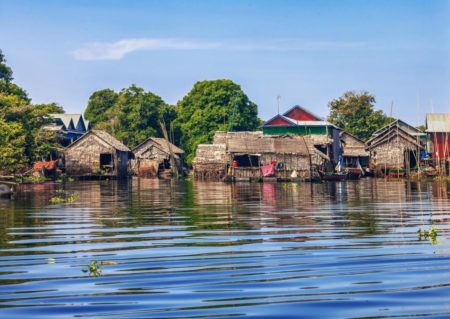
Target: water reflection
204	249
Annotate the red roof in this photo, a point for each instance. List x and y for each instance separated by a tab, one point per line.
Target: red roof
300	114
278	120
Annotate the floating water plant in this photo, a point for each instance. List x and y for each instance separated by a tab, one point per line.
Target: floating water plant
94	269
63	197
429	234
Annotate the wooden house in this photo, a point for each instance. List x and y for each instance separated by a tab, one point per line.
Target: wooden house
97	153
243	154
393	148
152	157
299	121
354	151
411	130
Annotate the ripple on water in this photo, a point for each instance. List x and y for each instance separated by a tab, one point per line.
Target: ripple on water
201	250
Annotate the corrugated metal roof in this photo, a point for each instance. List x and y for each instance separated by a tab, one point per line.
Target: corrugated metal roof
438	122
66	119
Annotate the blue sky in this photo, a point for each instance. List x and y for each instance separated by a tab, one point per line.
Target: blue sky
308	52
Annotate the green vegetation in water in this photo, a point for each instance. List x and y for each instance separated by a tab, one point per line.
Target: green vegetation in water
63	197
63	178
442	178
94	269
430	234
33	179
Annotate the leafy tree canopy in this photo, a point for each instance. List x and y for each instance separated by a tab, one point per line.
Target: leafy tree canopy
354	113
218	105
100	102
5	71
132	115
22	138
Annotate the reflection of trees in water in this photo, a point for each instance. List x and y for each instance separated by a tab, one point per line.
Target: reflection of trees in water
367	207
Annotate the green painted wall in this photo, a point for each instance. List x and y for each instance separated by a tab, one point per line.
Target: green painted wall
296	130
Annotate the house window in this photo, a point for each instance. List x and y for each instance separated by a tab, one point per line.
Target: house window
106	161
247	160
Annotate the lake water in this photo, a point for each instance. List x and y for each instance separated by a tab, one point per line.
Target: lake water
210	250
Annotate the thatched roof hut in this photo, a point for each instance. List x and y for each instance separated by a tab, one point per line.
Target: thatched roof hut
394	148
153	155
97	153
353	146
250	150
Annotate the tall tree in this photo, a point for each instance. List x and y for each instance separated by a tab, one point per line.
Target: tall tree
22	138
354	113
100	103
6	73
138	115
218	105
132	115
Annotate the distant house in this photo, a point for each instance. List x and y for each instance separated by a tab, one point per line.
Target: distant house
438	129
299	121
97	153
411	130
247	152
396	146
69	126
153	156
354	151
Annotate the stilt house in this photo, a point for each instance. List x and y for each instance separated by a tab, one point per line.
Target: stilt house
354	151
97	153
438	129
395	147
153	156
299	121
294	156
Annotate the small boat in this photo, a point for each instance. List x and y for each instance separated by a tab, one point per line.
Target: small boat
334	176
354	173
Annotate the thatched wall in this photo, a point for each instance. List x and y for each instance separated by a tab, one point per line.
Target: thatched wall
210	161
151	153
388	149
83	157
294	152
352	146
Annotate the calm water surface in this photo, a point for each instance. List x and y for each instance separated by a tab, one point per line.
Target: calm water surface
210	250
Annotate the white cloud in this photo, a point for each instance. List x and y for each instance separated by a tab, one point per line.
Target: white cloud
117	50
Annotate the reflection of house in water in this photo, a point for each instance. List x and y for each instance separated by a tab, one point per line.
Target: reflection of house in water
69	126
396	146
97	153
153	156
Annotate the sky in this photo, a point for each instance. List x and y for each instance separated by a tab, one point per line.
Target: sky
306	52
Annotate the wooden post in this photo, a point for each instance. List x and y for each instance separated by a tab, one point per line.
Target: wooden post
172	158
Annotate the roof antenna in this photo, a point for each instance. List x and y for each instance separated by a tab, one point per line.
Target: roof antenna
278	103
392	106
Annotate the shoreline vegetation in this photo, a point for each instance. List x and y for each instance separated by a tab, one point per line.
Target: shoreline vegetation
132	115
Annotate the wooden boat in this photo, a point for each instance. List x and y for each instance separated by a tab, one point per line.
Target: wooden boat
334	176
354	173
